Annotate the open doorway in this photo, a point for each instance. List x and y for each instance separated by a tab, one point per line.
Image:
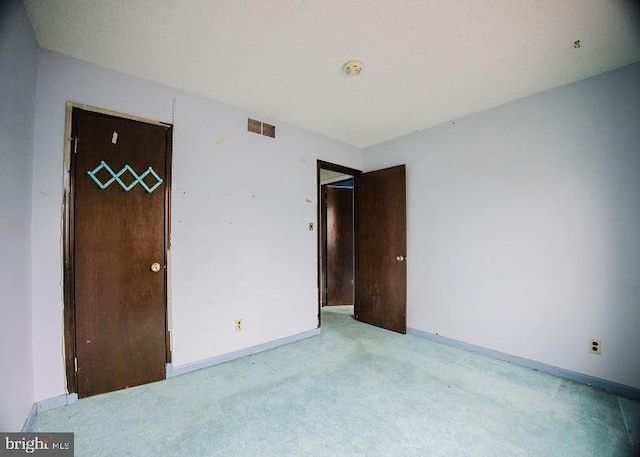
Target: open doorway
336	235
378	232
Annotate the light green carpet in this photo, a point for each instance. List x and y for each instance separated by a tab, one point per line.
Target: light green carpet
355	390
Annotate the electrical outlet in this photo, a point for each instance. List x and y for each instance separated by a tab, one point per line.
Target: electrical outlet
238	325
594	346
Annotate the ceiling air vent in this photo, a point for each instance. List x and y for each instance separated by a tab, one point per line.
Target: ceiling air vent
261	128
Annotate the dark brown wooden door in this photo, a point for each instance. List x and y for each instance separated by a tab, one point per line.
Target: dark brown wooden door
119	217
381	271
340	243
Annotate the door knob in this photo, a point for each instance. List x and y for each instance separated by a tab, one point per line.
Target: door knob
155	267
400	258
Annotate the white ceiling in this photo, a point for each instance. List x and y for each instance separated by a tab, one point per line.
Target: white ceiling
426	61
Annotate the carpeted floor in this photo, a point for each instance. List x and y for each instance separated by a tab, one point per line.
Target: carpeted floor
355	390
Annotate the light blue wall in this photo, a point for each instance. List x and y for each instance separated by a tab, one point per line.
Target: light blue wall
18	73
241	207
524	226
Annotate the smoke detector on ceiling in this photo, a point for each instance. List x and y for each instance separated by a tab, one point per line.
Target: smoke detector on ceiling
353	67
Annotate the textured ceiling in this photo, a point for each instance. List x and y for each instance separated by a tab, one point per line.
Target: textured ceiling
426	62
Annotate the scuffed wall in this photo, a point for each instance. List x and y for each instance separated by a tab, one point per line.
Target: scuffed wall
241	205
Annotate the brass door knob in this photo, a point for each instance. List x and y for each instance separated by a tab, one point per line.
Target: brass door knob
400	258
155	267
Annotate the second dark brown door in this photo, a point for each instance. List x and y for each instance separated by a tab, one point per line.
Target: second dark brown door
119	217
381	272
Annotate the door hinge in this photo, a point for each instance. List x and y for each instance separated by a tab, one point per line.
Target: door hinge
75	363
75	144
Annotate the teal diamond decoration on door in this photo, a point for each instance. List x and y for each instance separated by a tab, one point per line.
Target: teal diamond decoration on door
115	177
